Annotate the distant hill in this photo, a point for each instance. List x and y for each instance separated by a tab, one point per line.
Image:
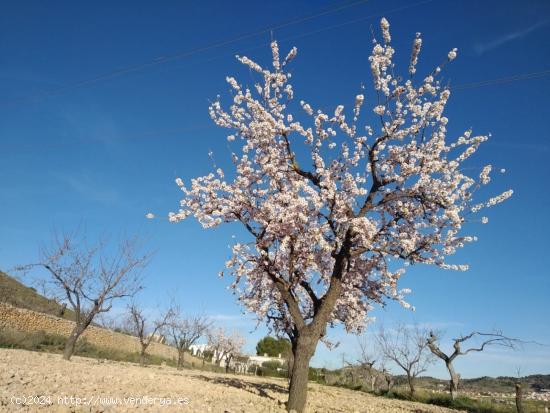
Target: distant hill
500	384
17	294
485	384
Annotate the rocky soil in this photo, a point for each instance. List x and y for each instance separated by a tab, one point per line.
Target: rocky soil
31	381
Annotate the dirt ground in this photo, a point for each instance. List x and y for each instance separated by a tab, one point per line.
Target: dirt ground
31	381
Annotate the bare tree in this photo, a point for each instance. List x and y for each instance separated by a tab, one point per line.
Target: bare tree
488	339
115	323
89	278
143	331
519	392
186	331
406	347
386	374
366	363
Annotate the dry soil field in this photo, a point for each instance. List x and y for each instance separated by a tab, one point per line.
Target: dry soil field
31	381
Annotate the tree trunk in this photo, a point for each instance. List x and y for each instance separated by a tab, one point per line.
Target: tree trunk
180	359
453	384
410	380
389	382
227	361
71	342
519	398
297	393
62	310
289	366
142	357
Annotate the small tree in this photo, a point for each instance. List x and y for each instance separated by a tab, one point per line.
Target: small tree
407	348
335	207
487	339
144	331
386	374
366	363
89	278
273	347
116	323
186	331
519	392
225	346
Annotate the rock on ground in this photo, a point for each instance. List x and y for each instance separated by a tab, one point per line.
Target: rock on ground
36	382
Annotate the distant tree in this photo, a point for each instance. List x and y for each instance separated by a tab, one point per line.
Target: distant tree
117	324
386	374
487	339
407	348
144	330
366	362
186	331
225	346
336	204
519	392
271	368
273	347
89	278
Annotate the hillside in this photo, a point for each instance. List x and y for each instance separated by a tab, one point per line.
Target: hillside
17	294
124	387
502	384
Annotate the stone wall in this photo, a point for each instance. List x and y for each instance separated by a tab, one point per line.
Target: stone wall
27	320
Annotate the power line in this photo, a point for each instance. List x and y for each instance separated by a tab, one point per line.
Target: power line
502	80
179	55
155	133
165	59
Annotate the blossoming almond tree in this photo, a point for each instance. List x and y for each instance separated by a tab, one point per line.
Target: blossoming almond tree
225	346
336	208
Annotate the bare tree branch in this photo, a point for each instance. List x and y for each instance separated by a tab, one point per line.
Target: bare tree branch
495	338
407	348
186	331
90	277
146	331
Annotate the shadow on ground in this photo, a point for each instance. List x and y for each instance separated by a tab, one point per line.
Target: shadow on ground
252	387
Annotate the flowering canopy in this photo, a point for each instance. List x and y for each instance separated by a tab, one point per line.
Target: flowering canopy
367	201
224	344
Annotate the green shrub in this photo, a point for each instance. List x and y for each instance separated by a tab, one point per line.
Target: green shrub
271	365
36	340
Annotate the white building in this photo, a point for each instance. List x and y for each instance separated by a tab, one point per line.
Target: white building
198	350
259	360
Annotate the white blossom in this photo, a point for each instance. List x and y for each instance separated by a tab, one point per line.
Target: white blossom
417	45
379	110
385	26
384	197
500	198
484	176
452	54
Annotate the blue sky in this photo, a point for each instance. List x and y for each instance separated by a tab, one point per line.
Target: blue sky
102	106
